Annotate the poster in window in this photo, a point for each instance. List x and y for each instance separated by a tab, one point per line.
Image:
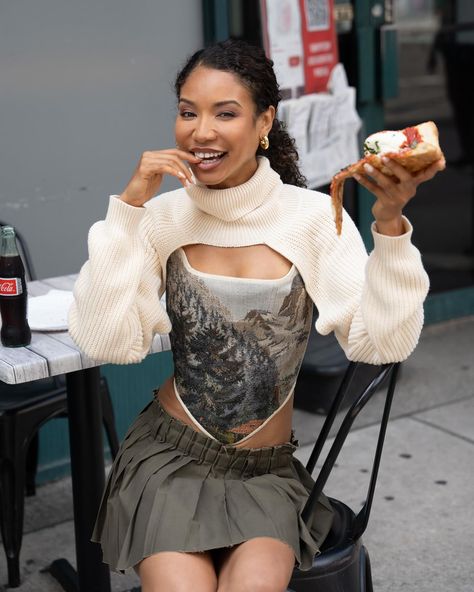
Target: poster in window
319	43
300	37
281	25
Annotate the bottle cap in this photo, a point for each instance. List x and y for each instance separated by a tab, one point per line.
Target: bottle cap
8	231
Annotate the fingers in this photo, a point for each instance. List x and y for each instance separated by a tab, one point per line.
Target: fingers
149	172
424	175
394	191
159	162
183	154
404	184
369	185
170	170
390	187
430	171
397	169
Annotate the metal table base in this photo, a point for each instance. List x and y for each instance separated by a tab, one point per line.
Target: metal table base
88	481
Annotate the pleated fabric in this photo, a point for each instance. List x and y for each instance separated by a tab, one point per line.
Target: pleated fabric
172	488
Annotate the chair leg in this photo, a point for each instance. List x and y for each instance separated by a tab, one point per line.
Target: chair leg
32	465
365	572
368	573
108	418
12	491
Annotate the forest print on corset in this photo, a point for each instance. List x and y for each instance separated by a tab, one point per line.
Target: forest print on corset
237	353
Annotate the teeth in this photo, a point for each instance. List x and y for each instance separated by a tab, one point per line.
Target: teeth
208	154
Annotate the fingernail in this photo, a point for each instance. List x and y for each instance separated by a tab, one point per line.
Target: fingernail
368	167
182	175
385	160
357	177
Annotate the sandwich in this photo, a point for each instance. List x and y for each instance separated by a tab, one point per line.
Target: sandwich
415	148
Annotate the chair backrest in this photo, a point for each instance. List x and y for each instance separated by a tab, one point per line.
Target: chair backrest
24	254
387	371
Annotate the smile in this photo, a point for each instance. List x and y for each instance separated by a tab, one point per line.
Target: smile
209	155
209	160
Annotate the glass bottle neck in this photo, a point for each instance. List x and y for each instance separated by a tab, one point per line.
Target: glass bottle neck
9	248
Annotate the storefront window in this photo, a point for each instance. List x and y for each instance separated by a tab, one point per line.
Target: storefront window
410	10
436	61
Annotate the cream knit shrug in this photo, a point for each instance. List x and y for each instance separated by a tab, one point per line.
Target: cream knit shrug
373	304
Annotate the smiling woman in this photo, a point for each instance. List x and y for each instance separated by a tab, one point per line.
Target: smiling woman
217	122
245	88
205	493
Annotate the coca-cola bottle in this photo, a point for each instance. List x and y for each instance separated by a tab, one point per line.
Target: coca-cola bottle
13	293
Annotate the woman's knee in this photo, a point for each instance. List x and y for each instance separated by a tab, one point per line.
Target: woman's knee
261	564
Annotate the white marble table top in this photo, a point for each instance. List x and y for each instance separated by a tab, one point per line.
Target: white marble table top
54	352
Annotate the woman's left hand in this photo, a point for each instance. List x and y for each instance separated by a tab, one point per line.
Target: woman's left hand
394	192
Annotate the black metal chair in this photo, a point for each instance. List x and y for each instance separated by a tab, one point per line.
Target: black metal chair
344	562
324	364
24	408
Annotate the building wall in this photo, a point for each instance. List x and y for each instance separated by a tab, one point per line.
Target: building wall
85	87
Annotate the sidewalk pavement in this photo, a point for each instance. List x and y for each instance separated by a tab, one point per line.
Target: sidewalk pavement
420	531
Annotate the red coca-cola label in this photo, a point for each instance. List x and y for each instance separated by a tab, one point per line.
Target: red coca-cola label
10	287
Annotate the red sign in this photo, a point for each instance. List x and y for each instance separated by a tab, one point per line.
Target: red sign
319	43
300	37
10	287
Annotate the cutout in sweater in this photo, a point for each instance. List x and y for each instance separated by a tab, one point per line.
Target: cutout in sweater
237	346
373	304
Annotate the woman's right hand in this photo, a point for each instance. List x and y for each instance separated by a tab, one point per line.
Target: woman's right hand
148	175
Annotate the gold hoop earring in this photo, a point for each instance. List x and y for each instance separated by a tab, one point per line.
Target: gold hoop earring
264	143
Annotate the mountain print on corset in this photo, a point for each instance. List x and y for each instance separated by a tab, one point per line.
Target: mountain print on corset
233	374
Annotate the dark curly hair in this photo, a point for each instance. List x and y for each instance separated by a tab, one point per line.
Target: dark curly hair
255	71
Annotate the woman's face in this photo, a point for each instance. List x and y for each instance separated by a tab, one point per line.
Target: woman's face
216	121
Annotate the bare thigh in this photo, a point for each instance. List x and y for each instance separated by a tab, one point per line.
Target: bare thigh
171	571
261	564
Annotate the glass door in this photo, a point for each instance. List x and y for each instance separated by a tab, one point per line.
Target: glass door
436	63
411	61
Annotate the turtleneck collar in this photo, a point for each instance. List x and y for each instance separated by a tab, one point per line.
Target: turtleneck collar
233	203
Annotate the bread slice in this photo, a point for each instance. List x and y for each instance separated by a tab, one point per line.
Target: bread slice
415	148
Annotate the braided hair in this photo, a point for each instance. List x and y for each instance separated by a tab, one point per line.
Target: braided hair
250	64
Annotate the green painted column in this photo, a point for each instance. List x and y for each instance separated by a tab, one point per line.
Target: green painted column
377	79
449	305
216	20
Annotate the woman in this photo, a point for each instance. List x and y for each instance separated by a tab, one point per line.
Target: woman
205	494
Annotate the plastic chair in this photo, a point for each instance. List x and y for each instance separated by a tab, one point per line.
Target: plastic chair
344	562
24	408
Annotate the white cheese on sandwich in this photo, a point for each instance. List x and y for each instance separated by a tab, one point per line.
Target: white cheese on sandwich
383	142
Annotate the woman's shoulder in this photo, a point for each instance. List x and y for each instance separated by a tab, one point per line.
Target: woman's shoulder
169	199
314	215
168	203
313	205
311	197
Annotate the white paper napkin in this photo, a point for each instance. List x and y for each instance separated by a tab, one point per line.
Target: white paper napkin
49	312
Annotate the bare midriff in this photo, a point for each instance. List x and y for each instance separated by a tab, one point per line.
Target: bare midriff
255	261
276	431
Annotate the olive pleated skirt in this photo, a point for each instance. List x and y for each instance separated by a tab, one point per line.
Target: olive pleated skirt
172	488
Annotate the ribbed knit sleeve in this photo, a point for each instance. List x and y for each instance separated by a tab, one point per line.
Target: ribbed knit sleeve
373	304
116	309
